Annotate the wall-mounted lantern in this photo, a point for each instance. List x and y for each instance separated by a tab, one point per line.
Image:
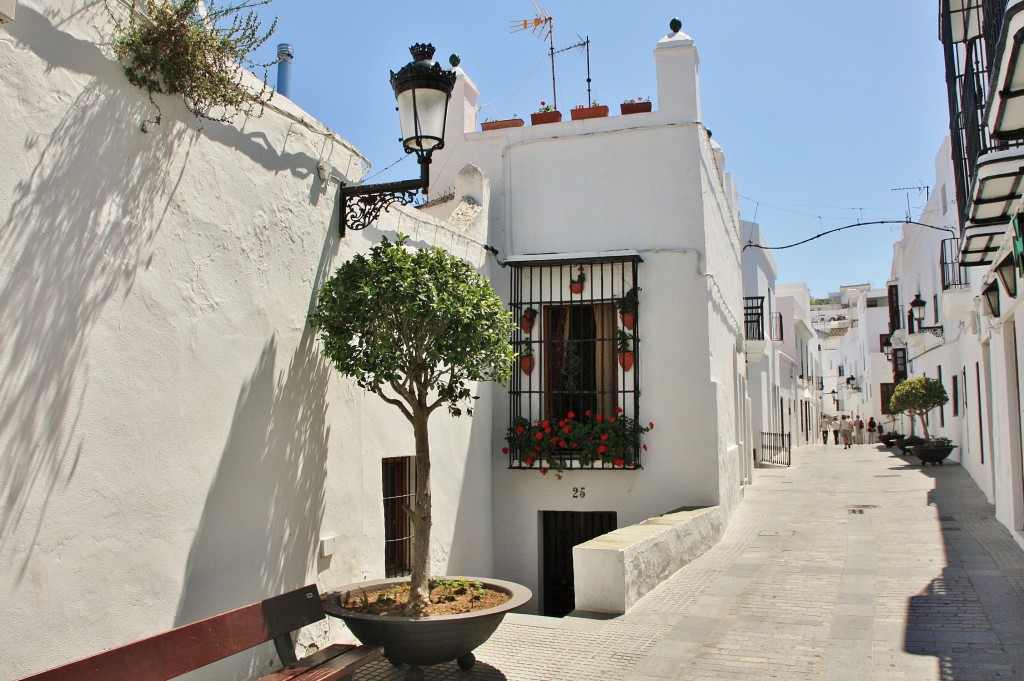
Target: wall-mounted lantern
991	294
1007	271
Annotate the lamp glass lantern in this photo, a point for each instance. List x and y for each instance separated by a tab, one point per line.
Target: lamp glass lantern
887	348
917	306
992	299
1007	271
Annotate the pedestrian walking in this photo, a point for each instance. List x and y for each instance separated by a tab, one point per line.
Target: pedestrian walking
872	427
858	430
835	430
826	422
846	431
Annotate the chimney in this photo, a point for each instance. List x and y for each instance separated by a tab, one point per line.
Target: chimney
284	69
678	84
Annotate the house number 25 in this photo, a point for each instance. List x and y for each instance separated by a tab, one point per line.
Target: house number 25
579	492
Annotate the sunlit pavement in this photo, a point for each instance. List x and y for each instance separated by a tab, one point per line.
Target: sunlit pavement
851	564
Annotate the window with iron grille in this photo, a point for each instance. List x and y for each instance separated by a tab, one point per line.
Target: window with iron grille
578	341
899	364
398	484
887	391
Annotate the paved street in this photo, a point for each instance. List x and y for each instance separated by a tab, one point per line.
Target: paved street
852	564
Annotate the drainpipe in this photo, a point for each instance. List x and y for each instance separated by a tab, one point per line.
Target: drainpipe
284	68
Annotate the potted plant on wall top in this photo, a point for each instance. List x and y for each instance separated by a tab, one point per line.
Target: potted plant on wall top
545	114
514	122
632	106
595	110
414	327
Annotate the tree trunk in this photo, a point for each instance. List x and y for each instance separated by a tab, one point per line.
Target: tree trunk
924	425
419	589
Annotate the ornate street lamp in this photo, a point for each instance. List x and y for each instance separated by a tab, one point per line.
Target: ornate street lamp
917	306
1007	271
423	90
887	347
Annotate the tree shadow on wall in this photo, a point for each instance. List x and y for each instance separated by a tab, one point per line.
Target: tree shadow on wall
78	231
259	530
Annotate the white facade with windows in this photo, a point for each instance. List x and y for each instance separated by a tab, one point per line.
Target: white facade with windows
637	200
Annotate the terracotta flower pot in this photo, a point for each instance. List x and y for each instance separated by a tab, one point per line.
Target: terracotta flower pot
542	117
526	324
628	320
634	107
580	113
526	364
507	123
626	360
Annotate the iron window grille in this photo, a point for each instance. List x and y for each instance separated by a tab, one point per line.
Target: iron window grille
573	332
399	485
954	276
753	318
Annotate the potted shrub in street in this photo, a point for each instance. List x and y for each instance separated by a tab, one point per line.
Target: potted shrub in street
545	114
514	122
415	327
626	306
625	347
916	397
934	451
632	106
595	110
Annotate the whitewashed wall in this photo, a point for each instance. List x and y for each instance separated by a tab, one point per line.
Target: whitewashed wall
649	183
171	443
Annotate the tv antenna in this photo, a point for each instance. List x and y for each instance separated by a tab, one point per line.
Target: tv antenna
922	188
543	25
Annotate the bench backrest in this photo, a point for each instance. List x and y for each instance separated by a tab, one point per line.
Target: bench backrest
196	645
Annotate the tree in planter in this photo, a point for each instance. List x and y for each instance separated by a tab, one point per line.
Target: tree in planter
415	327
196	49
916	397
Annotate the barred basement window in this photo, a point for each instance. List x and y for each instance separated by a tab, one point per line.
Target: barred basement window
398	483
579	344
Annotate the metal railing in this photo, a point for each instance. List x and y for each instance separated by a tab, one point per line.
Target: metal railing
776	449
953	275
753	318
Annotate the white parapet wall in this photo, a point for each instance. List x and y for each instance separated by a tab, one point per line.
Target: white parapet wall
612	572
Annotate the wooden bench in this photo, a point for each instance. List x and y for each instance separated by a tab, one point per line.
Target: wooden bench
196	645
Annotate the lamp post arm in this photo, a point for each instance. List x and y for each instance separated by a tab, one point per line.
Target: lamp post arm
368	200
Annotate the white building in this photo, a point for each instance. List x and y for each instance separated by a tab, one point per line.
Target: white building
628	201
172	444
802	350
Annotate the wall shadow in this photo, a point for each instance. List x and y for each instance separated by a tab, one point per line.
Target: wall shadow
969	618
78	230
260	525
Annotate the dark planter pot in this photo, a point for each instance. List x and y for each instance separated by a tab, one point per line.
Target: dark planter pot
426	640
542	117
906	443
507	123
932	455
635	107
581	113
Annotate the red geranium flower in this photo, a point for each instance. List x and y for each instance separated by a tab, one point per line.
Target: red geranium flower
504	450
602	449
570	415
618	410
599	417
651	424
604	436
520	429
529	461
645	447
540	436
619	463
587	413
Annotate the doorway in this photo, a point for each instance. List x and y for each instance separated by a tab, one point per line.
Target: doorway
562	530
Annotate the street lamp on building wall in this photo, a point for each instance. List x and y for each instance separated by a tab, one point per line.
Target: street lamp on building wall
423	90
917	306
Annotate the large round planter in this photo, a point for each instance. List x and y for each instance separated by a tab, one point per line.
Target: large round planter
932	455
426	640
907	442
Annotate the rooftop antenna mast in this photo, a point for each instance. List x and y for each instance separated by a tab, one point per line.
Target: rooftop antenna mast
922	188
543	25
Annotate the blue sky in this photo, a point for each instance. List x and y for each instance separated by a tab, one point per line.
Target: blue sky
822	108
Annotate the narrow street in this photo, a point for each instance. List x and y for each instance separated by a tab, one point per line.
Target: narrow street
850	565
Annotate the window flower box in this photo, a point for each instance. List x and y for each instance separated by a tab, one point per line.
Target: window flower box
631	106
541	117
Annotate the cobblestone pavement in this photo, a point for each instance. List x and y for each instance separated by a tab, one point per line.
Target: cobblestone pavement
849	565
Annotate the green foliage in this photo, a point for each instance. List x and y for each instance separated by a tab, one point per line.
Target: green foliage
418	321
613	440
629	301
940	442
456	586
174	47
918	396
625	340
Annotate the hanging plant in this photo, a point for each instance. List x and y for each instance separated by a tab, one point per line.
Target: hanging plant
197	50
576	285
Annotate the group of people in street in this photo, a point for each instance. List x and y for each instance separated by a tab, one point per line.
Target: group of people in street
850	430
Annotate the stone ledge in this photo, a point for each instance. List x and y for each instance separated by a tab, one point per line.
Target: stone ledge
612	572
